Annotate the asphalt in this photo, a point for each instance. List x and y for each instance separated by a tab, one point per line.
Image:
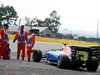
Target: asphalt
23	67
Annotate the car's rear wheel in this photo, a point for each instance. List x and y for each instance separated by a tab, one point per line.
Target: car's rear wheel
37	55
92	64
63	61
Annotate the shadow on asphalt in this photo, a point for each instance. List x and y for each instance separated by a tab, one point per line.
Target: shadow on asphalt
76	69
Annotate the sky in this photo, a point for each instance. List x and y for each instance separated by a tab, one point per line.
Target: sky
75	14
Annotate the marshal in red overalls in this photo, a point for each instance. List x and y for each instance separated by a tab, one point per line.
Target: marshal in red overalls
21	35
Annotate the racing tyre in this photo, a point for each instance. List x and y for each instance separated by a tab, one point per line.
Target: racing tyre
63	61
92	64
37	55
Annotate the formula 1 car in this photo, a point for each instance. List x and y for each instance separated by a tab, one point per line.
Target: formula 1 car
75	60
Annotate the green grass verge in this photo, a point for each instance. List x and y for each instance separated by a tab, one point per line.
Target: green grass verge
54	50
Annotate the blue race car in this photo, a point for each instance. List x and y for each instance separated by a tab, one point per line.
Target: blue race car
61	57
53	55
73	60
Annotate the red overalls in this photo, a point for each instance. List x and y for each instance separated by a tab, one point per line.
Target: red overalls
3	40
29	48
21	36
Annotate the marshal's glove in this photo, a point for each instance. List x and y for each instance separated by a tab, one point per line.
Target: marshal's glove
32	45
14	40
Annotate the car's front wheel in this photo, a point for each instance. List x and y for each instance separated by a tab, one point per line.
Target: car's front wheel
37	55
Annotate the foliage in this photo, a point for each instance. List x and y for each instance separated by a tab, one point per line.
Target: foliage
63	36
40	23
59	35
69	36
8	15
51	22
27	21
82	38
90	39
1	27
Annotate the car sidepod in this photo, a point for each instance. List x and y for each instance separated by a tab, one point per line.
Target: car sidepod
53	55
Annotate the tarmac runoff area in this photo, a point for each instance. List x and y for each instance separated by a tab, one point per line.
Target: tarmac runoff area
22	67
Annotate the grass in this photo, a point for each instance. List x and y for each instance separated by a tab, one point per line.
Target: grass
46	39
54	50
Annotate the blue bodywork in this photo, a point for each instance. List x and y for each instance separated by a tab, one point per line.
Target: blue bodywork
53	55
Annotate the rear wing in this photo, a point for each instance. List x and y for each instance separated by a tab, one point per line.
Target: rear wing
92	50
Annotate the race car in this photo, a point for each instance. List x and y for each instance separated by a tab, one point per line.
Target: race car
74	60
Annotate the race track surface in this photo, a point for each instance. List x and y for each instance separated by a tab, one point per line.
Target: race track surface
22	67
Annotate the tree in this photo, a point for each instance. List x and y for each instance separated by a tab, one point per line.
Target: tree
8	15
35	22
69	36
59	35
53	22
27	21
83	38
40	23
